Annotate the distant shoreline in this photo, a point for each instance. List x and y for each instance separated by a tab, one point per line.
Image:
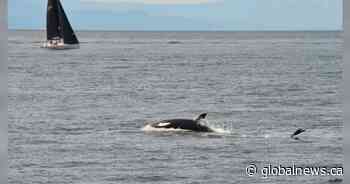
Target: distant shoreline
238	31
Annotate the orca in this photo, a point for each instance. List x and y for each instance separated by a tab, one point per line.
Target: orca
185	124
297	132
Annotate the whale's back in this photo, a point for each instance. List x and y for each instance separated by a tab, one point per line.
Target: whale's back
186	124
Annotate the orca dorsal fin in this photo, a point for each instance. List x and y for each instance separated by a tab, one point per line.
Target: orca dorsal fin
297	132
200	117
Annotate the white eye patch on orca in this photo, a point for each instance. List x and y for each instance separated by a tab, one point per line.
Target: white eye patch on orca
163	124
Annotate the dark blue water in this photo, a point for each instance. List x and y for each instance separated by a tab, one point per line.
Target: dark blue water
76	116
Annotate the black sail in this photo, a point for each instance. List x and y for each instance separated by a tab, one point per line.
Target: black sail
68	34
53	21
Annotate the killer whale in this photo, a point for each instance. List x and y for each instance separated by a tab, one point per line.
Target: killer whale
185	124
297	132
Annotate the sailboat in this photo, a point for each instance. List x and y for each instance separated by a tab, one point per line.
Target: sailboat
60	34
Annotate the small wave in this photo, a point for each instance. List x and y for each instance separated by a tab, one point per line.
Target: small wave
220	130
336	180
117	67
174	42
71	131
43	142
15	42
75	164
275	135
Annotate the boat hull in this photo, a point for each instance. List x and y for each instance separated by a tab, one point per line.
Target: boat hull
60	46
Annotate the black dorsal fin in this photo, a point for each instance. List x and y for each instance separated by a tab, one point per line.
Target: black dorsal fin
201	116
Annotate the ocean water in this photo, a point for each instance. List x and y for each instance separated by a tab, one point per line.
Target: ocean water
78	116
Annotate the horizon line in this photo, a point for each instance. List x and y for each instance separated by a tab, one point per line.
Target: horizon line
249	30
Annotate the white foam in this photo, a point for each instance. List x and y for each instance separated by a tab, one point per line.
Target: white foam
220	130
149	128
215	129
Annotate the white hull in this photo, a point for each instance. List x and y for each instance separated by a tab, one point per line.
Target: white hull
60	46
